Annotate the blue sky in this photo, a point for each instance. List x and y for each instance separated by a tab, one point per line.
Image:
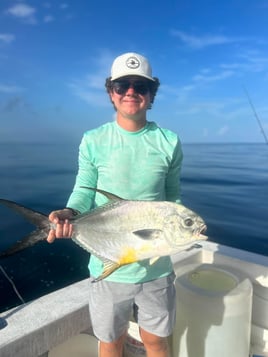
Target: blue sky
55	56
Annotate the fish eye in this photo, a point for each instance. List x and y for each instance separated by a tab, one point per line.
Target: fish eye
188	222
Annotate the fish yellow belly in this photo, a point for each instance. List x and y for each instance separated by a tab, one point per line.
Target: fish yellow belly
132	255
128	255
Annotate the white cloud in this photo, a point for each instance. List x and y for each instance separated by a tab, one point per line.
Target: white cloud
201	41
9	89
6	37
89	95
199	81
23	12
48	18
91	87
223	130
212	78
64	6
250	61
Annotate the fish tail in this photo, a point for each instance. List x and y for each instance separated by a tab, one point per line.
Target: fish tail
38	219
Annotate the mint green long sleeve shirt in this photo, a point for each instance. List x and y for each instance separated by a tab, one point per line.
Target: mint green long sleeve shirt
142	165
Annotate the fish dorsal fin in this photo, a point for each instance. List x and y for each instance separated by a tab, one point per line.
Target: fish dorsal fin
109	195
148	234
108	268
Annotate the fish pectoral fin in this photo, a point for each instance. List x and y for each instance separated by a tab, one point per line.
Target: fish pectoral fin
108	268
153	260
148	234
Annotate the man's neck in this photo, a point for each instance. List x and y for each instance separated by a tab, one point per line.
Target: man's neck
131	124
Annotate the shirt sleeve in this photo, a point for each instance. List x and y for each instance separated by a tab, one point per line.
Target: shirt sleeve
173	191
82	199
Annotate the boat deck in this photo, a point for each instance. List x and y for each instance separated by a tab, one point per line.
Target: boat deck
35	328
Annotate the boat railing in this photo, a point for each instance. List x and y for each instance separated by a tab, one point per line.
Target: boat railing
34	328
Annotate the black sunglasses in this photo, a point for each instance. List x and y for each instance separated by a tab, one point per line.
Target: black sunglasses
140	87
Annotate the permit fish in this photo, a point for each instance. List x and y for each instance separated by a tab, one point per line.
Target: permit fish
122	231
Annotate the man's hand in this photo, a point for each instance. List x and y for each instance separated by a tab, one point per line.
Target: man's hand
63	227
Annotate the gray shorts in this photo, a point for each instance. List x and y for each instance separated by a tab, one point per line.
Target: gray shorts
112	305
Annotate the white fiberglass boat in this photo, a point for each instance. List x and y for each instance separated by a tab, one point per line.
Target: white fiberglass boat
222	310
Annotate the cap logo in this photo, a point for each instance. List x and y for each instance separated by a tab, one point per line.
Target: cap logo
132	62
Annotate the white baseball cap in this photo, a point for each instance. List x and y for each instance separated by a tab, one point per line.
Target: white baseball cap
131	64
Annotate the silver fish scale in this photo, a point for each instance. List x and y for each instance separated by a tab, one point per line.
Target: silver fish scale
112	229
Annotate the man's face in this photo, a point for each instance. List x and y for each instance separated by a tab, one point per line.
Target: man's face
131	96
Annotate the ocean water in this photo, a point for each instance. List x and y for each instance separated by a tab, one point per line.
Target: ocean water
227	184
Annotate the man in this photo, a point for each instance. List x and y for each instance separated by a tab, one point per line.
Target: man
134	159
